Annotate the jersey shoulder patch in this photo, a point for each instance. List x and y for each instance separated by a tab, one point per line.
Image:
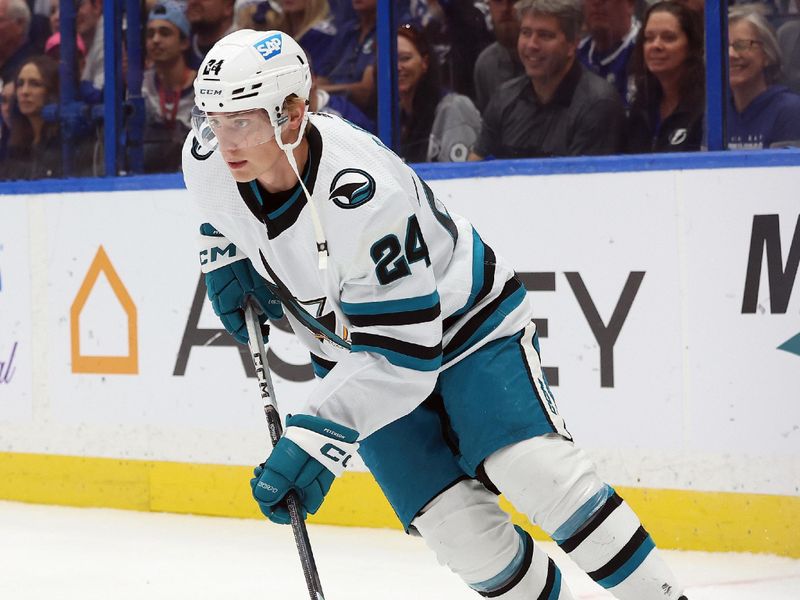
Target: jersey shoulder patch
198	152
352	188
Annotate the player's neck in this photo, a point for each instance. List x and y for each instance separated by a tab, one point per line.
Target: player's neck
282	177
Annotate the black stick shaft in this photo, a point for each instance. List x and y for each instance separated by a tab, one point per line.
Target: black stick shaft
259	355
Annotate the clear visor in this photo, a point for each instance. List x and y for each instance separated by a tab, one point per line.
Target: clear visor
243	129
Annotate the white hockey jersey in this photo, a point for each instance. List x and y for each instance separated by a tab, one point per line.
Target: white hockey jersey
409	288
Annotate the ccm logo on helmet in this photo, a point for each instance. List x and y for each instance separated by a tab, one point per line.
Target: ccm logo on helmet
269	46
204	92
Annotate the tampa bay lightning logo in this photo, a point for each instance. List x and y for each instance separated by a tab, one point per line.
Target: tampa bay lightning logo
352	188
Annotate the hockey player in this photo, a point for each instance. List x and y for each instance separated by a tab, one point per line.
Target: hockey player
420	335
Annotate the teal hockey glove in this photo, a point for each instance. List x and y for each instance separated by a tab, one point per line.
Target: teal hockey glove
310	455
231	281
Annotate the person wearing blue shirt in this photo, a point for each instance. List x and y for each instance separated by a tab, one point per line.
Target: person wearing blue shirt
606	50
349	68
761	112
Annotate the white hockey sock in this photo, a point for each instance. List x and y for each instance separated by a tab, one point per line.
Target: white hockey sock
616	551
531	576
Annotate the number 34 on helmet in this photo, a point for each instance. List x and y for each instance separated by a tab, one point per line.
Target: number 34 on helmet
241	87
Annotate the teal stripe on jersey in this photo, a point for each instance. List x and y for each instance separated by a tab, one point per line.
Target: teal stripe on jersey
630	565
490	324
478	254
320	370
555	592
391	306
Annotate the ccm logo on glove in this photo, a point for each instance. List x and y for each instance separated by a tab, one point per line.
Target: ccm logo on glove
330	451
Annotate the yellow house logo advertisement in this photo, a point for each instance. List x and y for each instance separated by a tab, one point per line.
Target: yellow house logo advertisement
112	365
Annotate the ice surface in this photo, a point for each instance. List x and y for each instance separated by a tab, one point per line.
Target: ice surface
59	553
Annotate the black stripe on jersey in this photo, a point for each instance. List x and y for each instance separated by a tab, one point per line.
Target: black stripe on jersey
443	218
410	317
613	502
550	581
394	345
489	265
274	203
472	325
622	556
323	362
527	559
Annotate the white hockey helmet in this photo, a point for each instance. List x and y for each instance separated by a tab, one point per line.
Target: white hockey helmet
249	71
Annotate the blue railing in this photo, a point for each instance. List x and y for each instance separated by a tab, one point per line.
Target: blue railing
124	118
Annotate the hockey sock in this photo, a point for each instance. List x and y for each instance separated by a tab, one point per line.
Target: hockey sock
613	547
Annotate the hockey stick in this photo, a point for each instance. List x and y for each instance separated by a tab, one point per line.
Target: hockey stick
259	356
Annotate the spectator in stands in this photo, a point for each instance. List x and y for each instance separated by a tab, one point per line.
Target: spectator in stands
34	145
167	87
15	47
436	125
89	25
309	23
612	30
789	42
667	110
52	48
55	15
349	67
459	32
211	20
6	102
558	107
499	61
761	111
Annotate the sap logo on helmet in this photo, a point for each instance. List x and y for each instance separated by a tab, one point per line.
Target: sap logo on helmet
352	188
269	46
205	92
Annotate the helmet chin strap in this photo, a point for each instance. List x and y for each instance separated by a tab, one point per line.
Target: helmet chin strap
288	149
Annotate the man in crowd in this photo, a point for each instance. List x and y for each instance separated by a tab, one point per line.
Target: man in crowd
558	107
167	87
15	48
498	62
612	30
211	20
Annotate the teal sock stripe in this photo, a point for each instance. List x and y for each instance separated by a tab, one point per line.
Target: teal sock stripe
508	573
630	565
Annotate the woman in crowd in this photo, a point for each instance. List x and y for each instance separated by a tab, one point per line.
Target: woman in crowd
6	101
307	21
34	145
667	110
436	125
761	112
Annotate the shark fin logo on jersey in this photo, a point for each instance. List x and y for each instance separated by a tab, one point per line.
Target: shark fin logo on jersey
269	46
352	188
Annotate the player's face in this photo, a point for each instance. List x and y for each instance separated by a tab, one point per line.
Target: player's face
666	46
411	66
31	90
249	163
544	50
746	56
164	42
